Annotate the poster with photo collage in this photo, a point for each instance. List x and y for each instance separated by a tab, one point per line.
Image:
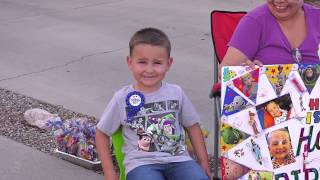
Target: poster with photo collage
270	122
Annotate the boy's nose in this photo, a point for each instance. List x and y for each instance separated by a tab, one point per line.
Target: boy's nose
149	68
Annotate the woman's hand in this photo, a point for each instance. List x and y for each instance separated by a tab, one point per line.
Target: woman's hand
235	57
251	64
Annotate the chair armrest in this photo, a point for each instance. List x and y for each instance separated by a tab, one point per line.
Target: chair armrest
216	90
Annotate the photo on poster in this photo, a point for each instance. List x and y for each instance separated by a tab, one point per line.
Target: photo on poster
275	111
230	137
232	170
278	75
280	147
259	175
309	74
233	102
248	84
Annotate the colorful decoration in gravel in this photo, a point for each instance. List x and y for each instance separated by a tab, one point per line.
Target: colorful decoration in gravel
74	136
276	133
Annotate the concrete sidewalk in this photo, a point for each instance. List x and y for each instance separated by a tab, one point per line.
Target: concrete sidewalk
22	162
72	53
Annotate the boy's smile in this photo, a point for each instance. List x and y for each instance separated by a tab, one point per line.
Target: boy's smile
149	65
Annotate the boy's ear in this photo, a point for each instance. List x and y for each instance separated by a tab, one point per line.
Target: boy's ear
170	61
129	62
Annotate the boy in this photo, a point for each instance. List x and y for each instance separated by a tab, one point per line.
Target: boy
149	61
280	148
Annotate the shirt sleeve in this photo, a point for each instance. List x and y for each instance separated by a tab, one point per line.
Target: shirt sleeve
110	119
246	36
189	115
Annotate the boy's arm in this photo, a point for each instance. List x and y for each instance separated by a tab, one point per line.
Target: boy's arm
103	148
197	141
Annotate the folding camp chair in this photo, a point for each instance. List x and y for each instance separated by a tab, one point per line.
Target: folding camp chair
117	142
223	24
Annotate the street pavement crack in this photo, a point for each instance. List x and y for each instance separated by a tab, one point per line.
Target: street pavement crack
97	4
83	58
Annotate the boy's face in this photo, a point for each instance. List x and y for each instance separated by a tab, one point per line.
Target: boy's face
149	65
273	109
279	144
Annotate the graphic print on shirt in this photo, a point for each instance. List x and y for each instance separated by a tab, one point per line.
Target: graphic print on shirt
158	129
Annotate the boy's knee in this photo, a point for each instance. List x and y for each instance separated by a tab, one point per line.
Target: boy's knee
189	170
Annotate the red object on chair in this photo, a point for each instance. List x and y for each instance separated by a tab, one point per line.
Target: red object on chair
223	24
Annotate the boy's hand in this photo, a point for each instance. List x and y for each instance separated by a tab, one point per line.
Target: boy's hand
111	175
206	167
197	141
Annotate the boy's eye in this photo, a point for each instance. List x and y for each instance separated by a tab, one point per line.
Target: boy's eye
142	62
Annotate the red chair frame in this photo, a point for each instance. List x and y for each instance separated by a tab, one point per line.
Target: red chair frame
223	24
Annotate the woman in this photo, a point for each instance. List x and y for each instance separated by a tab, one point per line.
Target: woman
278	32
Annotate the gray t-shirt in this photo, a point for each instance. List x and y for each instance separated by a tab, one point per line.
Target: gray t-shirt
156	134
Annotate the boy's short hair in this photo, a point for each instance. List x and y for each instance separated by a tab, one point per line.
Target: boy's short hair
151	36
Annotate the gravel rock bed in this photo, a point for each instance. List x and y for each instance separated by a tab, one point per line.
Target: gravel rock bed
14	126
